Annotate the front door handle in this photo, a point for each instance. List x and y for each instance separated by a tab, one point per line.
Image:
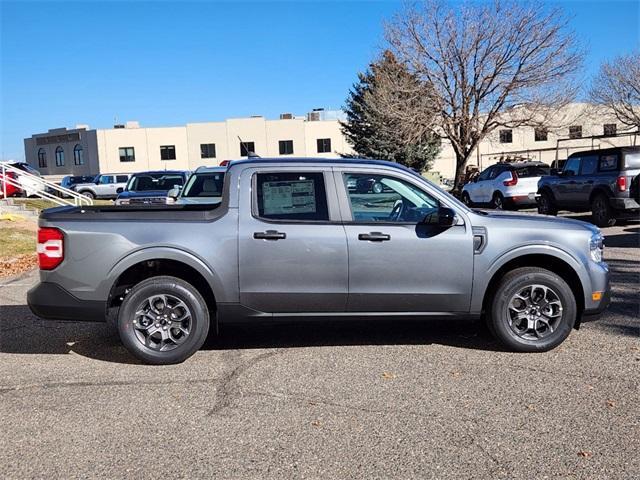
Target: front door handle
374	237
269	235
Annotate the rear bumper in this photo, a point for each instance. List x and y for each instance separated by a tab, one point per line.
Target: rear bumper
624	204
522	200
52	302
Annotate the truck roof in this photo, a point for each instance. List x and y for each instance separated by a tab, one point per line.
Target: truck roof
322	161
605	151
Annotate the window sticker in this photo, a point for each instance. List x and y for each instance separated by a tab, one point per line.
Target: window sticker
296	196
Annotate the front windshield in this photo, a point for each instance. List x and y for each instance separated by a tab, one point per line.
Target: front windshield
154	181
204	185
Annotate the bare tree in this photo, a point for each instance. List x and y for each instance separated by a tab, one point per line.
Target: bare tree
486	65
617	88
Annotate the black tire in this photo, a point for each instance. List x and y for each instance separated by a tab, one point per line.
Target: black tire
174	288
88	193
546	204
497	201
466	199
514	282
602	214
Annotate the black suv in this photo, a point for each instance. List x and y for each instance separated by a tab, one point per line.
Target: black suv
598	180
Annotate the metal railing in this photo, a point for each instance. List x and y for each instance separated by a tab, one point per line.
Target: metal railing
40	187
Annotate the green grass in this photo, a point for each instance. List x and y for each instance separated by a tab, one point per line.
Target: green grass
15	241
41	204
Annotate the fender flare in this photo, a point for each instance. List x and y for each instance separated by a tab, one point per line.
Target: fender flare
480	288
165	253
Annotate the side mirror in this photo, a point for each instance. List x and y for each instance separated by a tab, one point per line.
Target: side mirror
174	192
442	217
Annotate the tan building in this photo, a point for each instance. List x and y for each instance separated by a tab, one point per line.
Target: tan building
130	148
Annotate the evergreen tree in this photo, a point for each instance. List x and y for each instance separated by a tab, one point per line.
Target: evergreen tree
374	105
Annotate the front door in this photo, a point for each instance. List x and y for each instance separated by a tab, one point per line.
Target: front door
292	246
396	263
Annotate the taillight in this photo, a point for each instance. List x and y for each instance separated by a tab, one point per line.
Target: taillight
513	181
224	163
622	183
50	248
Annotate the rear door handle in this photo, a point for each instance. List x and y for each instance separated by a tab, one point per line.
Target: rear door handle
269	235
374	237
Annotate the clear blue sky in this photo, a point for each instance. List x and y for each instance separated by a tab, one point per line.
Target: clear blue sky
168	63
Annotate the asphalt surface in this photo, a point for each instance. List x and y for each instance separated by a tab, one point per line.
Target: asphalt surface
430	399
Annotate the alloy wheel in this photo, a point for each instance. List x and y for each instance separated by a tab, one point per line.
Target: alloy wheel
162	322
534	312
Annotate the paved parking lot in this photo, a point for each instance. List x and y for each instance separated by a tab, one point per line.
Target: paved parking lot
430	399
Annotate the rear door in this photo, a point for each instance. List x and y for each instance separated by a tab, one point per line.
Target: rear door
479	193
397	264
292	245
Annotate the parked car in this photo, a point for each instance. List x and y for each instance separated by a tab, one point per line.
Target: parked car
290	240
596	180
71	180
505	185
151	188
28	177
203	186
9	188
365	185
106	185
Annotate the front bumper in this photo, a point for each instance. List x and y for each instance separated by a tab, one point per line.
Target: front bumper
52	302
601	282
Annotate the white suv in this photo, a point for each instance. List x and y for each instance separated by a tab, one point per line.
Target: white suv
506	185
107	185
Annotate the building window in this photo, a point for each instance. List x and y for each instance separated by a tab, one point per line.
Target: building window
506	136
246	148
78	155
610	129
286	147
59	157
324	145
207	150
168	152
127	154
575	131
42	158
541	134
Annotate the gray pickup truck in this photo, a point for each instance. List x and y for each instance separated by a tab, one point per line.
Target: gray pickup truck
290	240
603	181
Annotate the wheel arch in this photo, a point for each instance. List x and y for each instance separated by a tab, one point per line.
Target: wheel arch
600	190
550	260
161	261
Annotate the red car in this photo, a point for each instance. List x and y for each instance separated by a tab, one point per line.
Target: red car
9	189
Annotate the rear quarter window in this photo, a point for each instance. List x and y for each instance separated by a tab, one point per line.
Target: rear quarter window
291	196
608	163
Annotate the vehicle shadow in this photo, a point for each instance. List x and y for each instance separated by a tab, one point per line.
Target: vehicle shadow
23	333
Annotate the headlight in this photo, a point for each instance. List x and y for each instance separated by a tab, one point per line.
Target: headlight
596	247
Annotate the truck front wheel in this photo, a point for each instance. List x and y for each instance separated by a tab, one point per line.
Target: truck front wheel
163	320
533	310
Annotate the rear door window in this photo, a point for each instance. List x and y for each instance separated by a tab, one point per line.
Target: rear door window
589	165
291	196
122	179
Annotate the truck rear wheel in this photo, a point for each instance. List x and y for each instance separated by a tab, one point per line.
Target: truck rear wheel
533	310
163	320
546	204
601	211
